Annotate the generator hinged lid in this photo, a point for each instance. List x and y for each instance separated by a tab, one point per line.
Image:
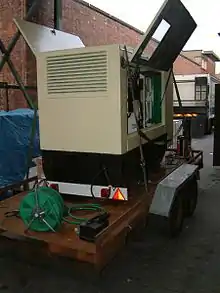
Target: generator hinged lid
44	39
176	25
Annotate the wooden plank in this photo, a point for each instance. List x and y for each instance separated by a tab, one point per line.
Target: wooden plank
124	217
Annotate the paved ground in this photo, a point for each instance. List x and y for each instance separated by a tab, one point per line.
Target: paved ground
157	264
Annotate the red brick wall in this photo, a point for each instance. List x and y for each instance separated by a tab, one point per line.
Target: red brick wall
8	10
91	26
210	66
95	29
184	66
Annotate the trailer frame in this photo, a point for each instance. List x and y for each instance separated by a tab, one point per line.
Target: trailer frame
126	217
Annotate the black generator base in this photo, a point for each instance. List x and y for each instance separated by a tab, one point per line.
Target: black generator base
87	168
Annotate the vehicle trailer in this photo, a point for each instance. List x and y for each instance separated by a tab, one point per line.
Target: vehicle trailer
106	117
197	93
172	194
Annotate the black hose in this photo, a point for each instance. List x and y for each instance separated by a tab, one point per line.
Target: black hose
104	170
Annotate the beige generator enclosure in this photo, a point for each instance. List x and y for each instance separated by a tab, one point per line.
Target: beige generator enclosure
85	92
103	109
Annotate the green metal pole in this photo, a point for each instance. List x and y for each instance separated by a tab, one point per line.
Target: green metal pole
17	35
21	85
58	14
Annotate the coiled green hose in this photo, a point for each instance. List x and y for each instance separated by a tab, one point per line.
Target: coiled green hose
48	210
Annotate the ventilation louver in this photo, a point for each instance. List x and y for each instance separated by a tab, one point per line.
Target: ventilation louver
77	73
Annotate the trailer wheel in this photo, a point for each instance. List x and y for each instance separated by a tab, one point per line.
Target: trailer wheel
176	216
192	198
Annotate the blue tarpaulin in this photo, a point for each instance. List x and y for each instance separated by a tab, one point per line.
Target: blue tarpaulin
15	136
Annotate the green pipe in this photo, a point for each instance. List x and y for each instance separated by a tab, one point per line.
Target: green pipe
21	85
17	35
58	14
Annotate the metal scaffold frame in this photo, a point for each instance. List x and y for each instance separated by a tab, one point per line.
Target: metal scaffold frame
6	52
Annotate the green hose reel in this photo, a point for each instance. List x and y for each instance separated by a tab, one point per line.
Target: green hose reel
44	213
43	210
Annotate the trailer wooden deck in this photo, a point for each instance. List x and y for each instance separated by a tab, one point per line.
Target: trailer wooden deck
124	217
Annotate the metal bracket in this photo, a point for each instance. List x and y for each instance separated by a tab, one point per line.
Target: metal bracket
167	189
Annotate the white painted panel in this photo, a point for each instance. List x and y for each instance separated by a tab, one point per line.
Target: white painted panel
44	39
186	90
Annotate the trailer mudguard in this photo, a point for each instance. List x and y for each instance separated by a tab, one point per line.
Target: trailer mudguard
167	189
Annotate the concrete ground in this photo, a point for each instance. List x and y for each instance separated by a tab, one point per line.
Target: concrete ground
156	264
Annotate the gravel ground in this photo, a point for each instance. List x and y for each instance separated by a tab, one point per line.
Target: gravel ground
155	264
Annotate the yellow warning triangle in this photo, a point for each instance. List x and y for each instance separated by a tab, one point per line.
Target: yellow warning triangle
118	195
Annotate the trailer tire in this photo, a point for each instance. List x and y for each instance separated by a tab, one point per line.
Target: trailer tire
176	216
192	198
